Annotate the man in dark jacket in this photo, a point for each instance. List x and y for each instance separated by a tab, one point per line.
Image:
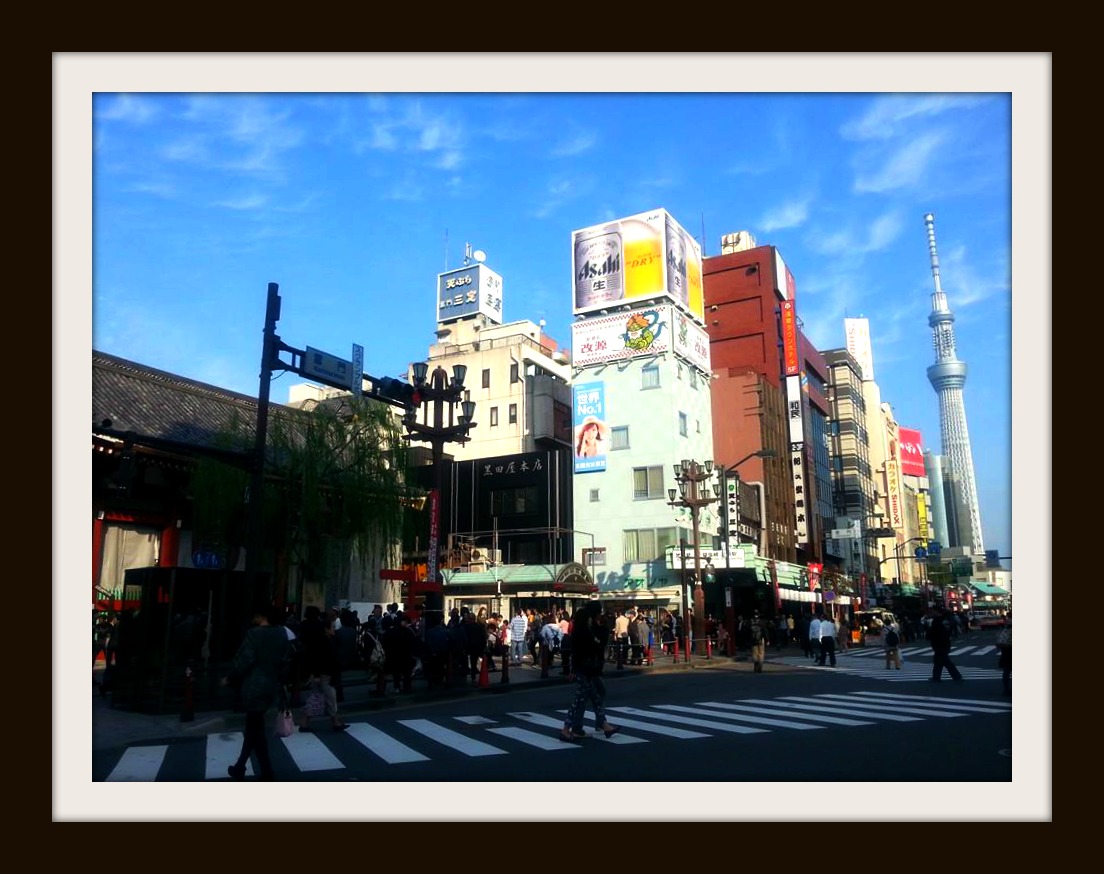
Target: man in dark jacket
939	636
590	633
259	669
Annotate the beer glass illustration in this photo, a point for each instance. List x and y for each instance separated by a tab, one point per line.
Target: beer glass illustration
644	263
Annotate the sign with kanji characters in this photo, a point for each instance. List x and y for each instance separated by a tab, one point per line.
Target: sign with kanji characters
591	430
468	290
797	463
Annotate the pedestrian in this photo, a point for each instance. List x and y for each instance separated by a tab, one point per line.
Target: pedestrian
320	660
758	640
345	639
399	645
259	671
892	642
791	629
518	627
939	636
638	635
827	640
549	643
589	637
1004	644
621	637
814	638
475	644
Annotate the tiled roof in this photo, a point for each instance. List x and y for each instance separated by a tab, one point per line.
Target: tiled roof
153	403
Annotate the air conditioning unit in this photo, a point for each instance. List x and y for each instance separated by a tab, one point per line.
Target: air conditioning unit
481	554
477	567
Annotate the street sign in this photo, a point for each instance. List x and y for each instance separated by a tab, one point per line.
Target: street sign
328	368
920	552
356	374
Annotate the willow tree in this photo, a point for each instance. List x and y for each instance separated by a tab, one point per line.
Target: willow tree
335	490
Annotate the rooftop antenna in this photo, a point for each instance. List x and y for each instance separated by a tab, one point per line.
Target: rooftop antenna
467	253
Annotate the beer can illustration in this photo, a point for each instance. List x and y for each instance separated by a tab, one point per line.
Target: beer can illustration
677	285
599	267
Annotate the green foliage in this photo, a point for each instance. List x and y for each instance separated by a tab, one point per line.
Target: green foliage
334	486
337	479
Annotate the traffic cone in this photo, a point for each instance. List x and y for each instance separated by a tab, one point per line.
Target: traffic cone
648	656
484	673
708	648
676	650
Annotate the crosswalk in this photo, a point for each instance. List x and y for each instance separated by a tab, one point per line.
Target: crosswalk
916	663
400	742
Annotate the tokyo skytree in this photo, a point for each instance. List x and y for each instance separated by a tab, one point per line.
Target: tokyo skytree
948	376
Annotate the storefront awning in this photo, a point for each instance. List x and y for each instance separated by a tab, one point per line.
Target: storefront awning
986	589
571	578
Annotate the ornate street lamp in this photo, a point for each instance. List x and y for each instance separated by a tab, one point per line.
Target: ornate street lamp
694	493
438	414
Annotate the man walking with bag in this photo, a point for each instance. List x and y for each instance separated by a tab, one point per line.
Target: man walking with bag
939	636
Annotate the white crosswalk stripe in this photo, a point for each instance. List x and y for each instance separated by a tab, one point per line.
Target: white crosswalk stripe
402	741
139	764
462	743
871	666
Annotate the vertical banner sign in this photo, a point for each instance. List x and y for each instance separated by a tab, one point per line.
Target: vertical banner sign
797	461
789	338
591	429
893	488
732	497
922	517
775	586
434	534
862	587
356	377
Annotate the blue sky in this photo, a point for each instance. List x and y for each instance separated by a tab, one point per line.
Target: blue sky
353	179
353	203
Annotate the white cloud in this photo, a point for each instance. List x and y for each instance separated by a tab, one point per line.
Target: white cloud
904	168
789	215
886	116
578	144
248	201
127	107
883	231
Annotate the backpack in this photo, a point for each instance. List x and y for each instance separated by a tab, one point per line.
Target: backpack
376	656
891	639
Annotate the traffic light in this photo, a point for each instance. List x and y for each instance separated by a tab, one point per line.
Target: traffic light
397	392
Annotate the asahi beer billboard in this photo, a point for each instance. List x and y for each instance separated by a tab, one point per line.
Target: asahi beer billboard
641	331
634	259
469	290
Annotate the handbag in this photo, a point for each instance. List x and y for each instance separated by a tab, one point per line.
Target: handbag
316	704
285	723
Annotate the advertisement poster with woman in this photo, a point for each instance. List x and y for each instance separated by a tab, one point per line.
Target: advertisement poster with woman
591	431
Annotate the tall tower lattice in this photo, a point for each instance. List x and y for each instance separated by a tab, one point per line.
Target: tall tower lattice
948	376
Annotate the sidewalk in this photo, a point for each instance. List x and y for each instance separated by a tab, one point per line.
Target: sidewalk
113	727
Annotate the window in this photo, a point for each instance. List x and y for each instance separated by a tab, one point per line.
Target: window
514	502
682	424
619	437
486	378
650	376
697	423
494	415
513	413
648	482
514	373
679	366
692	376
593	496
647	544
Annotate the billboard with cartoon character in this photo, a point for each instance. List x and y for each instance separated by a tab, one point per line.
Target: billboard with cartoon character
638	332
